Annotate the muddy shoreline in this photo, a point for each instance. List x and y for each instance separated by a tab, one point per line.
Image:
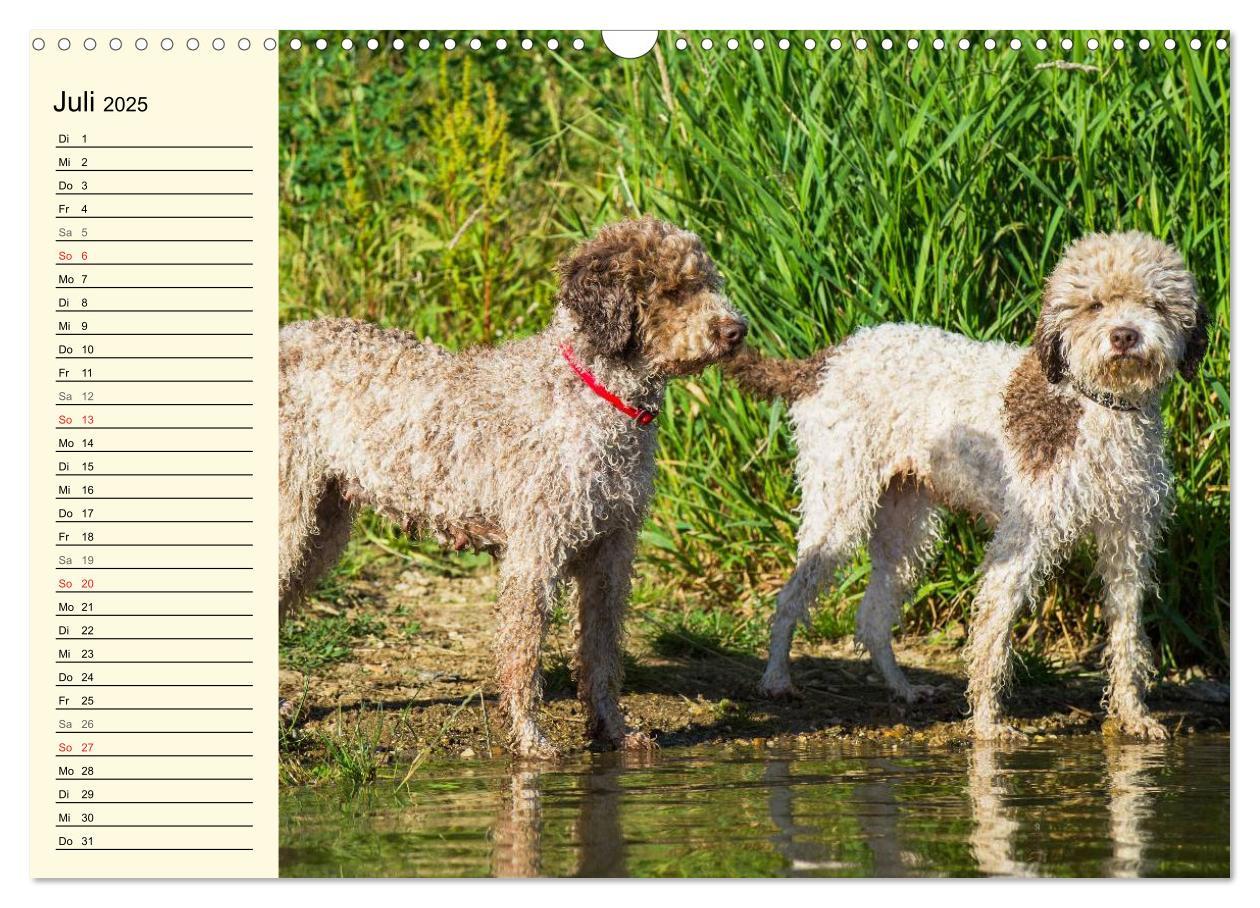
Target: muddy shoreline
413	682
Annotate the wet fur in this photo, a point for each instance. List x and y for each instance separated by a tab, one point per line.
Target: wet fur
908	420
1040	421
505	449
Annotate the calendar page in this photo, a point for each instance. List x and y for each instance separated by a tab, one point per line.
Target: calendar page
697	453
154	260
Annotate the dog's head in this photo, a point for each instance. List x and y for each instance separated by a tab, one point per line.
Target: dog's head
645	290
1121	314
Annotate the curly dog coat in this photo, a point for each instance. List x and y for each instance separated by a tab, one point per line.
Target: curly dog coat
540	450
1049	444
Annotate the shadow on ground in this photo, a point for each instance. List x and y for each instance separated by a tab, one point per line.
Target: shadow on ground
421	685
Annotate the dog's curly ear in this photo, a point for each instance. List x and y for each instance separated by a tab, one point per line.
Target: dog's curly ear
594	290
1196	344
1048	345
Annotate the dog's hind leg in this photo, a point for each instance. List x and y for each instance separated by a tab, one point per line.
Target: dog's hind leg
827	539
314	526
906	525
301	486
334	521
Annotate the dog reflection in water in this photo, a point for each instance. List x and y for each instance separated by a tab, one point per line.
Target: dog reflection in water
518	843
1127	768
997	821
874	803
994	823
518	827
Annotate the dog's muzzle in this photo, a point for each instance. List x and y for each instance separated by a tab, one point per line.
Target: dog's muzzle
729	333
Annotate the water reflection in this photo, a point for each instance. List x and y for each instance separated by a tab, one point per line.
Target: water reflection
1129	768
1068	808
1127	787
518	828
871	799
878	814
994	825
799	845
806	848
601	844
600	840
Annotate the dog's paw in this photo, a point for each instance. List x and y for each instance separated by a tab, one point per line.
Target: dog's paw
778	688
536	747
605	730
919	693
639	742
1142	725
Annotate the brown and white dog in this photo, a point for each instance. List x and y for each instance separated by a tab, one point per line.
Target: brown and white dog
540	450
1049	444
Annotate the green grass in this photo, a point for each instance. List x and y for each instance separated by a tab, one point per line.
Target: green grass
831	622
312	641
836	189
700	633
1035	668
348	756
351	759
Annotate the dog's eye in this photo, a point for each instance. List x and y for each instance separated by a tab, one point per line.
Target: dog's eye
1095	306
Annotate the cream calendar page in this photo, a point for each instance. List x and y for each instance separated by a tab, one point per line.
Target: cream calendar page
153	455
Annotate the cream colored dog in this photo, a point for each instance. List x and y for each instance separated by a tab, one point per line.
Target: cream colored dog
1049	444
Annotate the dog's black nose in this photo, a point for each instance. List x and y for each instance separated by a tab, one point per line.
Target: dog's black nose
732	331
1123	339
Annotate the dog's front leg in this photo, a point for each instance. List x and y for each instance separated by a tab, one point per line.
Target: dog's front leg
1012	565
602	575
1124	564
522	612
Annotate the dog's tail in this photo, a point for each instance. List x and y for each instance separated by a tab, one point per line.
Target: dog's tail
767	378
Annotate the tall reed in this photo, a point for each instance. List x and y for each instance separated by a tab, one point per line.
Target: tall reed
837	188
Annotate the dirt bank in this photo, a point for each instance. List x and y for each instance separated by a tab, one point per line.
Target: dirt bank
399	667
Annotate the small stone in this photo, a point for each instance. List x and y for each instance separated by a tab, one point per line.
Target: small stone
467	753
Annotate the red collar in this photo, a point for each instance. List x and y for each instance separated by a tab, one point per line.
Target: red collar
642	417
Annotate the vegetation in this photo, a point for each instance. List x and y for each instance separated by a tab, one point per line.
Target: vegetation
311	642
434	191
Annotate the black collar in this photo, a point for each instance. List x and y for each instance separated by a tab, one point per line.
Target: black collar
1105	398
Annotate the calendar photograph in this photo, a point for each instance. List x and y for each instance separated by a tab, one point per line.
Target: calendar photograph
754	454
697	453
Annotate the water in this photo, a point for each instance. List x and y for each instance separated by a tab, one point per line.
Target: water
1066	807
